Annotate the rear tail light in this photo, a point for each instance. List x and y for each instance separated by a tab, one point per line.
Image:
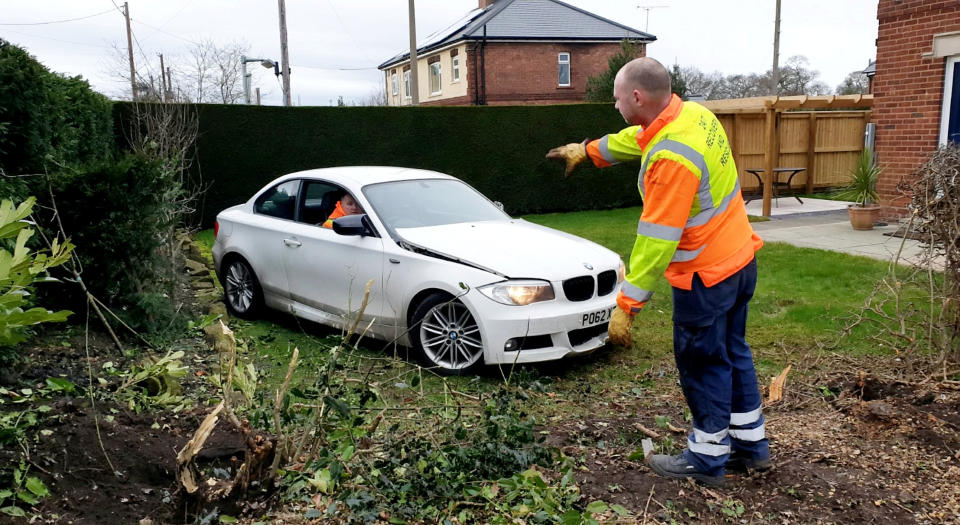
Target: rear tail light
216	228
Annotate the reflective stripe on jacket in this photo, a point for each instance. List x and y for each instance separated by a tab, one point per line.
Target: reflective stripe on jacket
694	219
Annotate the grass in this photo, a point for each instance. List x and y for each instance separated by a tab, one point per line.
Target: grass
804	299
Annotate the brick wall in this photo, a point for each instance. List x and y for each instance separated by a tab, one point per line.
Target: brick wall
526	73
908	88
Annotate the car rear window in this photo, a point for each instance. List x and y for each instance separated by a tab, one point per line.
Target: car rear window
279	201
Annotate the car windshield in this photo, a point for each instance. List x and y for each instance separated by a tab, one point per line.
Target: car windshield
429	202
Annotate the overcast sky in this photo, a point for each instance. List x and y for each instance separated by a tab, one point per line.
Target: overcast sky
335	45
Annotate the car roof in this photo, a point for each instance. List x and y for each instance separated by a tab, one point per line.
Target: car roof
358	176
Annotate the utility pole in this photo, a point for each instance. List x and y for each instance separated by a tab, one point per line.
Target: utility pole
414	70
776	52
284	57
649	8
163	81
169	84
133	72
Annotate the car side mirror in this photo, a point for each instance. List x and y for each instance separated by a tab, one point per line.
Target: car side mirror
354	225
499	204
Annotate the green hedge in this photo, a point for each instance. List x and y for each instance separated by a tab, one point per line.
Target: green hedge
47	118
497	149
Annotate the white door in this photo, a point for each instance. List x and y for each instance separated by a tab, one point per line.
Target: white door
950	120
329	272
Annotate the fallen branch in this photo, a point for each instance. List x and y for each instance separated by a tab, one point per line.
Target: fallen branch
646	431
185	464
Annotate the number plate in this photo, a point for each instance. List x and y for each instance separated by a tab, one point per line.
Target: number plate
600	316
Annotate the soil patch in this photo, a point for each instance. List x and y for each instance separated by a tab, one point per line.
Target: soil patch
891	458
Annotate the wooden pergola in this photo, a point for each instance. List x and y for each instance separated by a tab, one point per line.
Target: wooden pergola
772	106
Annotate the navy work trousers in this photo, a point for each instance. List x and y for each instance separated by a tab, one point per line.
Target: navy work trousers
716	370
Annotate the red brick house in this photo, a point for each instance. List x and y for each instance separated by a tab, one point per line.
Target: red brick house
510	52
916	86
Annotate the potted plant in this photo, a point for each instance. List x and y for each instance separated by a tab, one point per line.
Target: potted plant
862	190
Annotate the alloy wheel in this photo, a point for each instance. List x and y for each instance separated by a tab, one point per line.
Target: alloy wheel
450	336
240	287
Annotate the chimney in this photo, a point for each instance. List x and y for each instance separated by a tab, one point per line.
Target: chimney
485	3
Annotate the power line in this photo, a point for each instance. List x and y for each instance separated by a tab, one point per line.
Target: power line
58	21
335	68
165	32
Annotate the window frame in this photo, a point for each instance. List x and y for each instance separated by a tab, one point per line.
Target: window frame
296	200
436	71
560	64
394	84
406	84
946	105
455	69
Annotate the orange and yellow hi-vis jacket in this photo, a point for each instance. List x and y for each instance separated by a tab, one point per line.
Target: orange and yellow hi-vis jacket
337	213
694	219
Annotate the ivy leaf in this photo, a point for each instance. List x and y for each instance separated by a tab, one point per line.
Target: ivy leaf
13	511
342	408
37	487
597	507
227	519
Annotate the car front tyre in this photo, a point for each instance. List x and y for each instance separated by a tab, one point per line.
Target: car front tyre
241	290
446	336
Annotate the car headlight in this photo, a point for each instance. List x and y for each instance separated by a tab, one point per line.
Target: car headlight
621	273
519	292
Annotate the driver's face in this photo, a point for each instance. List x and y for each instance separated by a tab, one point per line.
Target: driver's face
350	206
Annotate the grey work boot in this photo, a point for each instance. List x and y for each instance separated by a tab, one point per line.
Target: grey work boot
677	467
744	463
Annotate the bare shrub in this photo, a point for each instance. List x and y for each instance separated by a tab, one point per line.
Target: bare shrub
916	304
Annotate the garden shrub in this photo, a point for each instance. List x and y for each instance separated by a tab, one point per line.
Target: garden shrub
20	271
114	213
47	120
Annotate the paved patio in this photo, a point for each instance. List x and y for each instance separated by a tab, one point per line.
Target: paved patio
824	224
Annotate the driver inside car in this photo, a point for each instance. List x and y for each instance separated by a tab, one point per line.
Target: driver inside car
347	205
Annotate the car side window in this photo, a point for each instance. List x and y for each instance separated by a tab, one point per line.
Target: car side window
319	200
279	201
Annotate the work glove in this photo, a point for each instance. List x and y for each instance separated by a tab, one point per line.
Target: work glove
573	154
619	328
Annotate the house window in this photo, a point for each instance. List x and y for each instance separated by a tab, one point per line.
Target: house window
394	84
456	68
950	120
406	83
563	69
435	78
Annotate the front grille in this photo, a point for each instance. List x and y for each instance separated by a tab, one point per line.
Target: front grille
606	282
582	335
578	288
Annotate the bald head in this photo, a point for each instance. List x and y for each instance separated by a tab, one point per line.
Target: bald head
647	75
641	90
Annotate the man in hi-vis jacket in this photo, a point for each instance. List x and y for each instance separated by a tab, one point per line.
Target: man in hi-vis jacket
694	231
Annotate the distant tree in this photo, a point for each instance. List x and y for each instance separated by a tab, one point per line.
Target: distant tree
796	78
855	83
376	97
214	73
741	86
677	83
698	83
600	87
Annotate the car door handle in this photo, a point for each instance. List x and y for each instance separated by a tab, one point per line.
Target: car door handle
394	261
292	242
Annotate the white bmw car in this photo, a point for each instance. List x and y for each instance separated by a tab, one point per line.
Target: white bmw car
454	277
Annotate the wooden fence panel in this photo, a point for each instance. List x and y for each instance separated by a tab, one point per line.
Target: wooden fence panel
837	142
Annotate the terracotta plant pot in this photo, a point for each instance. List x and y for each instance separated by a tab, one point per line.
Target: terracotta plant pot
863	217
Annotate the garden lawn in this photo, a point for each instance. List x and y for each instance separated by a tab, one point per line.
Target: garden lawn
804	300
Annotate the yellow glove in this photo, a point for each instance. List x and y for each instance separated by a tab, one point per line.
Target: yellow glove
619	328
573	154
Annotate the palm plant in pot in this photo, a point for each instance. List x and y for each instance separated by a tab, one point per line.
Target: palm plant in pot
862	190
